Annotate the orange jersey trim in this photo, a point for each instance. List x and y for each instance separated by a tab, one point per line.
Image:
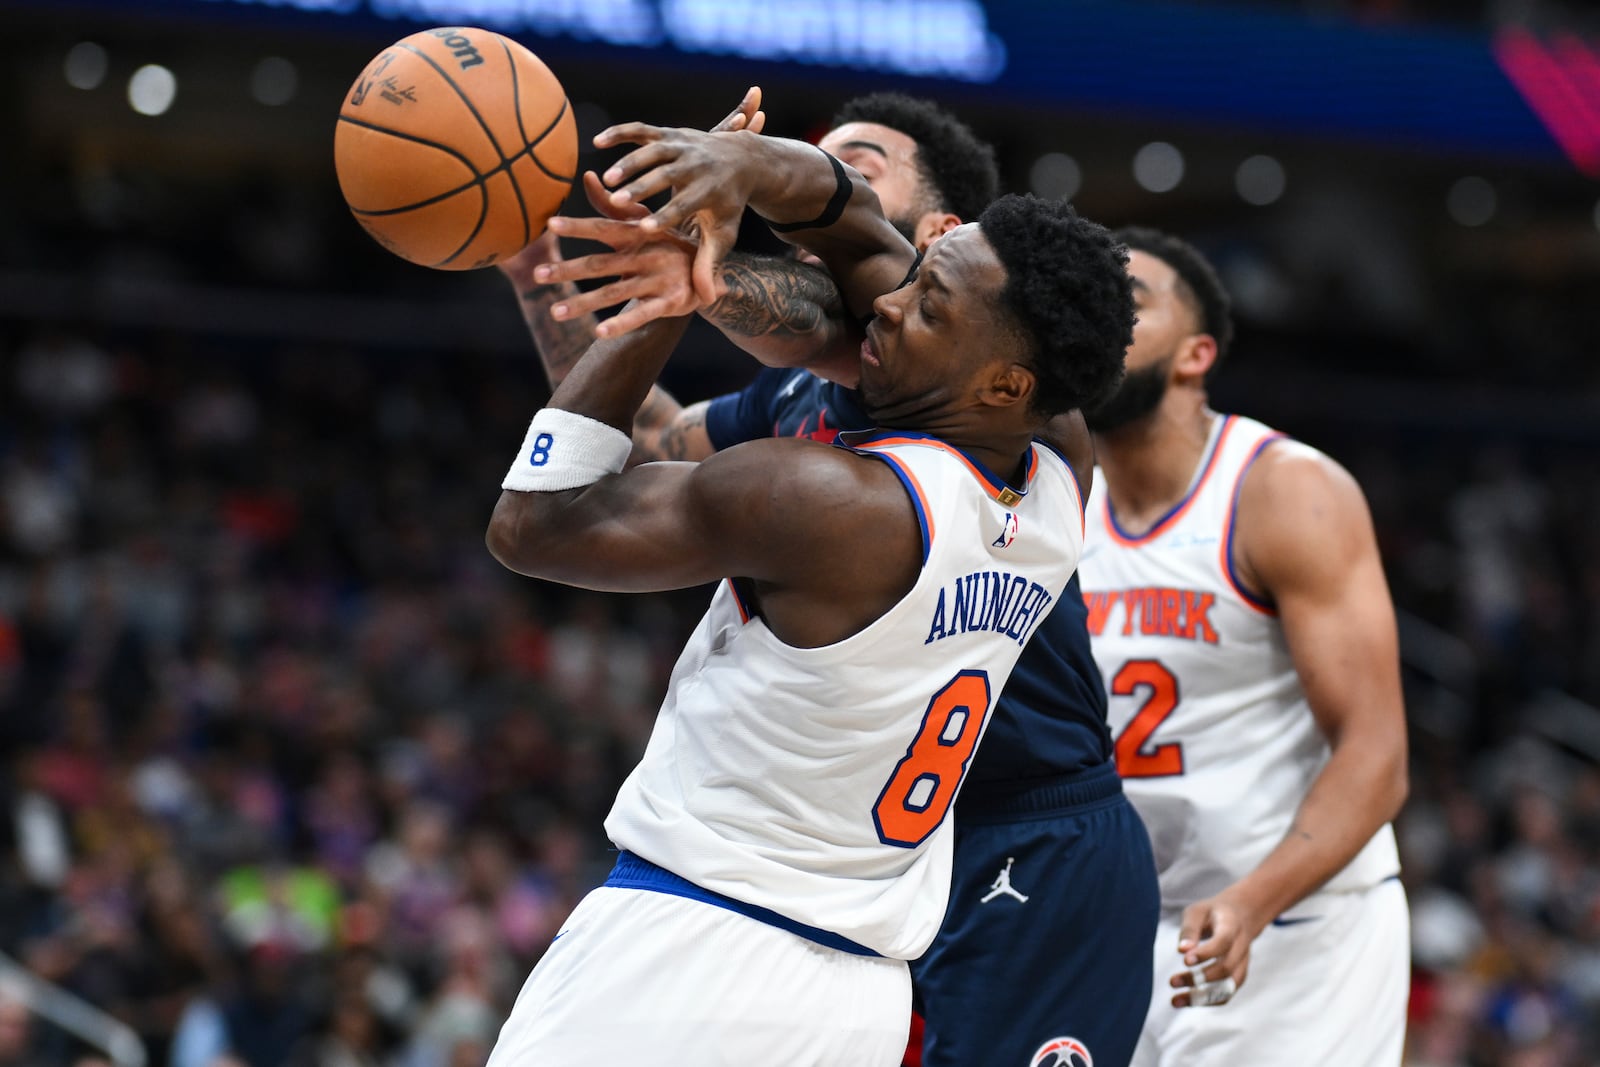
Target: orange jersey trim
993	486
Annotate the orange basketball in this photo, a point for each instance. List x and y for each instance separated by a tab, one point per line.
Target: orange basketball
454	147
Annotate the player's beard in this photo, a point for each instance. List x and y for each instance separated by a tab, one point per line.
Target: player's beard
1139	394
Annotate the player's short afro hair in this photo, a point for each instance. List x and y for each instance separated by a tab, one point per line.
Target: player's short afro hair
958	168
1200	287
1068	292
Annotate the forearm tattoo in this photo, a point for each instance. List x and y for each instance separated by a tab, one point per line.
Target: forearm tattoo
675	438
774	296
662	429
560	343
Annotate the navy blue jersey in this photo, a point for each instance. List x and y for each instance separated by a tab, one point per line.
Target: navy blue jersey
1051	716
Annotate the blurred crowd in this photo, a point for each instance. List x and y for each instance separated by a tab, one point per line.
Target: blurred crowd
294	773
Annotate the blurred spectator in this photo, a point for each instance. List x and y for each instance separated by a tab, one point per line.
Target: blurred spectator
294	775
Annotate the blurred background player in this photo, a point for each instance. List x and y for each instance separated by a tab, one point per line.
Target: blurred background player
804	672
1241	618
1042	791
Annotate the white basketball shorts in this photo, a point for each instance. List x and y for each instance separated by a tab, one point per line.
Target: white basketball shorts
1327	987
637	976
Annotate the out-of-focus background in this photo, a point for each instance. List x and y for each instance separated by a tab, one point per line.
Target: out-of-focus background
292	773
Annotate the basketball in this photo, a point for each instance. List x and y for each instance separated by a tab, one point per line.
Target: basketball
454	147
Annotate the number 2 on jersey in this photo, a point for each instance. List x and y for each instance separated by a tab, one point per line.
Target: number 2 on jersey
1134	759
918	794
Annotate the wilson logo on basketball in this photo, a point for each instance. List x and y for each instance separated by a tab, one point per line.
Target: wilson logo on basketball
1062	1052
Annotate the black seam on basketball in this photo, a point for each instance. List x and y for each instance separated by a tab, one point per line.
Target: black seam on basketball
478	179
465	99
483	215
535	144
516	109
416	139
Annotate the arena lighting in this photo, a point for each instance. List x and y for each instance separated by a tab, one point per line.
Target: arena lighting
1158	167
1055	176
273	81
1260	180
151	89
1471	201
85	66
924	38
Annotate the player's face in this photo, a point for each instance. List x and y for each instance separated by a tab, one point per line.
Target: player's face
933	339
888	160
1164	322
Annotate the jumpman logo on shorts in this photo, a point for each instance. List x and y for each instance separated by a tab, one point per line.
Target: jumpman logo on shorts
1002	885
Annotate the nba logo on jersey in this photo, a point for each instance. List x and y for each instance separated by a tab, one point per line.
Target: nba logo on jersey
1008	532
1062	1052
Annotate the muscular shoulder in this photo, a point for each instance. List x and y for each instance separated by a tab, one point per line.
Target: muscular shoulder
1301	518
812	496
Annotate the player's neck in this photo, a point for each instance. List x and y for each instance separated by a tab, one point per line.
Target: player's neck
1149	465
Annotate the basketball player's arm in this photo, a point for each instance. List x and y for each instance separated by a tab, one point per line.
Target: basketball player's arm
1305	540
765	510
783	312
662	427
793	185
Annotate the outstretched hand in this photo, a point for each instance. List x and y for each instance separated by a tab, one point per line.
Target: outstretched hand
701	171
652	269
654	266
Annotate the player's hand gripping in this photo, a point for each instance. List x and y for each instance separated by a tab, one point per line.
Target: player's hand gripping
1214	940
704	171
654	265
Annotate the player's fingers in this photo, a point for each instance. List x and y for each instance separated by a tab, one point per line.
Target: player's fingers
1221	945
739	118
600	199
628	133
661	179
638	162
618	233
618	292
1195	924
758	122
1207	970
589	268
636	315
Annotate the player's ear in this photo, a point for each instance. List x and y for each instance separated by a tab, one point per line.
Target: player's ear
934	225
1010	384
1195	357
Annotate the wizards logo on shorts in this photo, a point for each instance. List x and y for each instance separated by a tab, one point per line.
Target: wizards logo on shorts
1008	532
1062	1052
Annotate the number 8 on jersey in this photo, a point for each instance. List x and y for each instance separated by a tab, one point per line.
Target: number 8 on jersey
924	783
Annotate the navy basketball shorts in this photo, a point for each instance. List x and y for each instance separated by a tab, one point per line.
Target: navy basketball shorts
1044	956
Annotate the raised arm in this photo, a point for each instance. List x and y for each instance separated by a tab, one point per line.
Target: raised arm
764	510
662	428
1305	541
809	197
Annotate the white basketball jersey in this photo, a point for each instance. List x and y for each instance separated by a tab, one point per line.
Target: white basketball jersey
1215	740
816	782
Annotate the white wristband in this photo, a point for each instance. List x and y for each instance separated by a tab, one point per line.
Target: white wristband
565	450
